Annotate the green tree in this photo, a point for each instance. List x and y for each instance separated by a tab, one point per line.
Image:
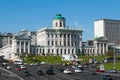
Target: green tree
110	53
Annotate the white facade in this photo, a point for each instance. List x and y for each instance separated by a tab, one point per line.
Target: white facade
99	28
98	46
109	29
58	39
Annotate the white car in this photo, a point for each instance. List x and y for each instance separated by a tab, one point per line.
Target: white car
8	67
22	67
79	66
77	70
67	71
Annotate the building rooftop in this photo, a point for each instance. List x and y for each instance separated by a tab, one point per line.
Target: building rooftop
107	19
58	16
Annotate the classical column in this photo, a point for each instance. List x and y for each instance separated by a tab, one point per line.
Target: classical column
70	40
58	41
66	39
20	47
24	50
103	49
54	39
28	47
38	51
96	48
62	39
99	48
106	47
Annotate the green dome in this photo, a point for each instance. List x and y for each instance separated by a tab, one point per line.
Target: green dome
58	16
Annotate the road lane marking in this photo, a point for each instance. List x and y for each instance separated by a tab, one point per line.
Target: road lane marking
43	77
15	75
32	78
69	77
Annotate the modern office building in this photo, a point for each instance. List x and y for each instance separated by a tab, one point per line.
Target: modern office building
109	29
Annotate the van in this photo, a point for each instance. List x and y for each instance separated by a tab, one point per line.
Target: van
18	62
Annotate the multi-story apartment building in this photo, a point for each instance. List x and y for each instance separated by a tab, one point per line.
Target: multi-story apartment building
109	29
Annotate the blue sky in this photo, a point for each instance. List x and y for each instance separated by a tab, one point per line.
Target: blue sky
16	15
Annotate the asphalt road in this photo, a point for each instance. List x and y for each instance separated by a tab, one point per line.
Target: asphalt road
18	75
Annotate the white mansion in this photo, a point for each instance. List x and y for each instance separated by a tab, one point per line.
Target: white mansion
56	40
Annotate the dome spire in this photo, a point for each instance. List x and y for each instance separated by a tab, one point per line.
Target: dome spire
59	21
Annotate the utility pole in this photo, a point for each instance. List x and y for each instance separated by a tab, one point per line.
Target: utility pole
114	59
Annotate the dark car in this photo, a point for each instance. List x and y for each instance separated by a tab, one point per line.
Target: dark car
106	77
26	73
40	72
61	69
50	71
113	71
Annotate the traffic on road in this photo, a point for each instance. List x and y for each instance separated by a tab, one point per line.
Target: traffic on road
11	71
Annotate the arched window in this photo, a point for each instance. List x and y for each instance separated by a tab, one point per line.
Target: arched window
57	51
56	24
60	24
65	51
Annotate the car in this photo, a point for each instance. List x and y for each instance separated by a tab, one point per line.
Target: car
40	72
42	63
8	67
50	71
80	67
106	77
18	62
18	68
61	69
67	71
113	71
98	70
4	64
22	67
77	70
51	66
26	73
86	65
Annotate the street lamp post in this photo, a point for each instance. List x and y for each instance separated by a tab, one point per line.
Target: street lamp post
114	59
94	59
